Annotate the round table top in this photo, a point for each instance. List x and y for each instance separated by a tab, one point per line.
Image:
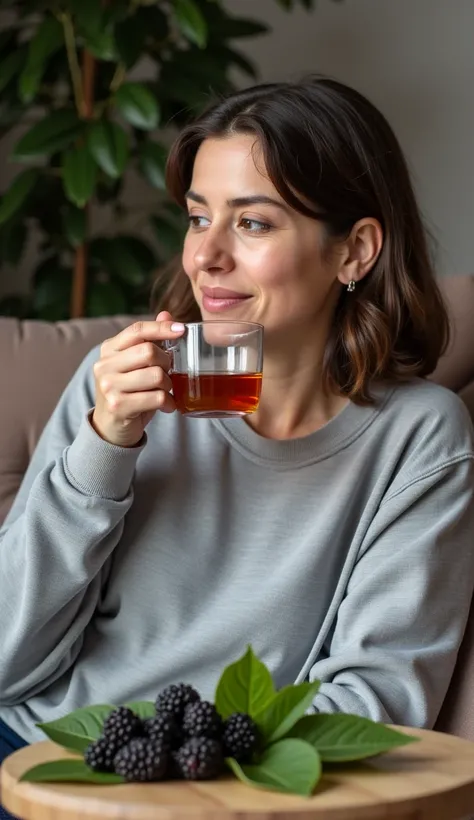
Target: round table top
432	779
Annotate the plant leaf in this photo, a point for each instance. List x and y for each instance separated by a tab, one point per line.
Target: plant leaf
11	66
138	106
108	144
13	240
143	708
88	13
106	299
68	771
74	224
79	175
54	133
101	43
81	727
290	765
169	235
152	163
130	36
339	738
191	21
47	40
244	686
18	192
230	28
287	706
125	257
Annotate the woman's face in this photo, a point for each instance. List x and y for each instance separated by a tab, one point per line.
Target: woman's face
248	254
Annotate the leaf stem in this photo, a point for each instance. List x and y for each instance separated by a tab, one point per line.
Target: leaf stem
118	78
73	62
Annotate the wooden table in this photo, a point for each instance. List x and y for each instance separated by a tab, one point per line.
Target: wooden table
433	779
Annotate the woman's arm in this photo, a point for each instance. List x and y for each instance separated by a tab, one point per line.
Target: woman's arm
394	644
65	523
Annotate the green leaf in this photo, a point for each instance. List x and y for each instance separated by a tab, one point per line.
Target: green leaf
287	766
18	193
236	58
47	40
13	239
11	66
101	44
54	133
130	36
152	163
124	257
340	738
230	28
79	728
244	686
191	21
138	106
88	13
79	175
108	144
75	225
169	236
287	706
143	708
68	771
106	299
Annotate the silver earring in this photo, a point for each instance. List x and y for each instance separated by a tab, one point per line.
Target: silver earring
351	286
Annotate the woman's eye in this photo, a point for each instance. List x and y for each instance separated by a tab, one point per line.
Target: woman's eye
198	221
254	225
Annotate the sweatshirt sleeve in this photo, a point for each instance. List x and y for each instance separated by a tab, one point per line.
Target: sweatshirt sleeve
394	644
65	522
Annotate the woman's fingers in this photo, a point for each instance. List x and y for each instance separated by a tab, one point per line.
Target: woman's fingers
142	331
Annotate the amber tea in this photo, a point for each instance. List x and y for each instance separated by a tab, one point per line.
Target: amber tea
216	394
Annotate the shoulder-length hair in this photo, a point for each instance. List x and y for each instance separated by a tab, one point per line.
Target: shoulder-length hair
332	155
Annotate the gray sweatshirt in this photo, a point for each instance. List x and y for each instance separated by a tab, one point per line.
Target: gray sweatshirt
347	556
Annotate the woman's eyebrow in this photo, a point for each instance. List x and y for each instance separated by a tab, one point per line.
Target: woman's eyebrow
241	201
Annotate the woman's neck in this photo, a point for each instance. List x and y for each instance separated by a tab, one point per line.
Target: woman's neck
293	403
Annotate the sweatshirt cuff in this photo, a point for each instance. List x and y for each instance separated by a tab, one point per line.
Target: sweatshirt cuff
99	468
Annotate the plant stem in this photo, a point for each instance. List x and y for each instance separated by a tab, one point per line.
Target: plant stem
79	286
118	78
73	62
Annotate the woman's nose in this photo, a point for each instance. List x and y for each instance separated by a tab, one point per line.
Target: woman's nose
213	253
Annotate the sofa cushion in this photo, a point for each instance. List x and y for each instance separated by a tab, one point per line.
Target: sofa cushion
37	359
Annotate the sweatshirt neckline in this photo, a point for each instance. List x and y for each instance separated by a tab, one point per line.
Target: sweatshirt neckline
337	434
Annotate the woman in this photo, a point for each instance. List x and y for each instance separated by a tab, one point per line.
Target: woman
332	529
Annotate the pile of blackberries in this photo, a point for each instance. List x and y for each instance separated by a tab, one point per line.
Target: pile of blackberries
186	739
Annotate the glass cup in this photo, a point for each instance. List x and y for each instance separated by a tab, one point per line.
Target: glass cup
216	368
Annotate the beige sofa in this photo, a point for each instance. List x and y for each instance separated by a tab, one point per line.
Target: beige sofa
37	359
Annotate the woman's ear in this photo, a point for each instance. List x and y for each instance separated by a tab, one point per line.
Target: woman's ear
362	249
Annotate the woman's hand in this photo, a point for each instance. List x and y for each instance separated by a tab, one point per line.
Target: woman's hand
132	382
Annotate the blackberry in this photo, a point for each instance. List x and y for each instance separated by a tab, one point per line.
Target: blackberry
121	726
100	754
141	761
240	737
175	698
200	758
163	730
201	720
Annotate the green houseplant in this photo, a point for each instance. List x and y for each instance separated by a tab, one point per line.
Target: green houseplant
71	77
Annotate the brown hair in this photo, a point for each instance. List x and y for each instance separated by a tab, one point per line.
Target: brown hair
332	156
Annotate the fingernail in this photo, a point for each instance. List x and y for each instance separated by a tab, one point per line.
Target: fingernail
176	327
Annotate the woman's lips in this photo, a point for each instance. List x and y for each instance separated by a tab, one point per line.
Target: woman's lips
215	300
